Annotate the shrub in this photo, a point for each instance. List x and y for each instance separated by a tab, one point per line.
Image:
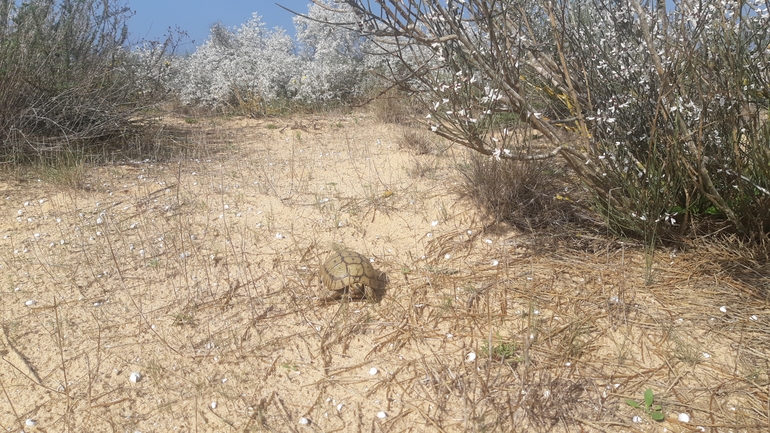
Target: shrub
243	68
66	80
333	56
255	69
661	114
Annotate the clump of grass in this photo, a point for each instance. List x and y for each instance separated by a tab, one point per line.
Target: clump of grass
502	350
392	107
522	193
423	168
414	141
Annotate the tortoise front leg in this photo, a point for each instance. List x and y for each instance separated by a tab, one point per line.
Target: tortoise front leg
333	296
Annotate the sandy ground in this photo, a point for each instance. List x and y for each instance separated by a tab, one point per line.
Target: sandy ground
201	276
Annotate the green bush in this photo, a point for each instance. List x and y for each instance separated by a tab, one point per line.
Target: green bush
67	81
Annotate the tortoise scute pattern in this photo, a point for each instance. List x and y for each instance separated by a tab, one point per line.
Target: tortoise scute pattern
351	270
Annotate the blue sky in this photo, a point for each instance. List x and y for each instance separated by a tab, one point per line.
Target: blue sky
153	17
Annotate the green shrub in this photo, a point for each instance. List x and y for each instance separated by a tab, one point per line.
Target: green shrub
67	81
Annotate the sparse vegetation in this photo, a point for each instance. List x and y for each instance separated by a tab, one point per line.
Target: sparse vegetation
416	141
158	295
394	107
501	350
210	266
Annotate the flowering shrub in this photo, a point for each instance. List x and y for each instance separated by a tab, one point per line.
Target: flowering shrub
148	65
333	57
677	111
662	114
254	64
251	62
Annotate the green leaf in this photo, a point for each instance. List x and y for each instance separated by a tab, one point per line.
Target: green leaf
632	403
648	398
657	416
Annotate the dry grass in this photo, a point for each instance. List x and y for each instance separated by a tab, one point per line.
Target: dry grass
524	194
395	107
420	142
201	275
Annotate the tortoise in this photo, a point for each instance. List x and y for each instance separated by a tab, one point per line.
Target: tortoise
350	273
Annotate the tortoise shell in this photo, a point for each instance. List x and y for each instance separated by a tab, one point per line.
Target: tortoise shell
348	272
